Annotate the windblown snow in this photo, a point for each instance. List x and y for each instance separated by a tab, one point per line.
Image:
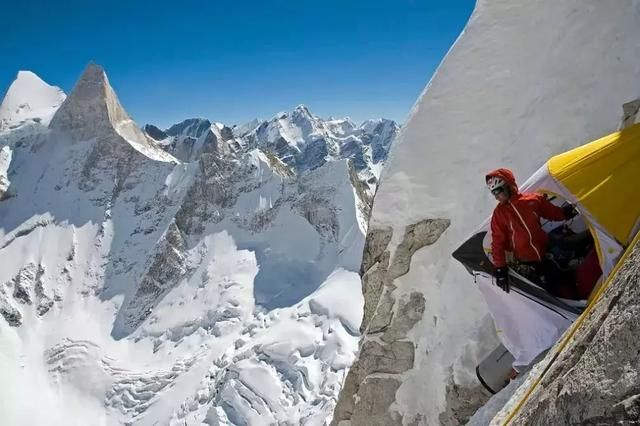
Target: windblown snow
195	275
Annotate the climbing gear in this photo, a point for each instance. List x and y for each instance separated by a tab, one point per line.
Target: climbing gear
495	183
502	278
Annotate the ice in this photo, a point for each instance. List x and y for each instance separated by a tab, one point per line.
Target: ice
337	297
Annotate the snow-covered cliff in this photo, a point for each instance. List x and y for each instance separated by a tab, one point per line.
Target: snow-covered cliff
525	80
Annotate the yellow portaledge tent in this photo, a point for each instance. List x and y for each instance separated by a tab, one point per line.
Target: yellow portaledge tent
602	179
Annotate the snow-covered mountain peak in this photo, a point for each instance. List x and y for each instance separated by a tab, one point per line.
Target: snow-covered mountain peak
192	137
341	127
25	75
305	141
302	111
194	127
299	139
371	125
29	98
92	105
154	132
243	129
302	108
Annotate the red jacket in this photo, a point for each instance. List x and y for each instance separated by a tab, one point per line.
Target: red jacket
515	224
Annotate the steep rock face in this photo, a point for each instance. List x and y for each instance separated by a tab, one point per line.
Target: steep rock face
223	196
387	320
154	133
93	111
195	127
379	134
510	93
165	269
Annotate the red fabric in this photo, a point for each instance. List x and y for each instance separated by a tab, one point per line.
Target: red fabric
515	224
587	274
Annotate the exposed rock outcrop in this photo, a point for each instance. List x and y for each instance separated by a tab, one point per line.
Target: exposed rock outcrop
154	132
93	112
212	192
387	320
166	268
92	108
24	290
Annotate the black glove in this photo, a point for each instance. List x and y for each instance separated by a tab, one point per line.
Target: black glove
502	278
569	211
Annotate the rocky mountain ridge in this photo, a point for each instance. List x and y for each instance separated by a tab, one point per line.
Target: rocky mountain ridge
299	139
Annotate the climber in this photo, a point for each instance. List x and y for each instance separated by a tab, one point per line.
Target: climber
515	227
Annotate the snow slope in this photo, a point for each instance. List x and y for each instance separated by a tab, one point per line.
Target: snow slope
29	98
140	288
525	80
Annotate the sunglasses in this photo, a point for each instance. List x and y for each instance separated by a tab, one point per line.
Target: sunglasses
497	191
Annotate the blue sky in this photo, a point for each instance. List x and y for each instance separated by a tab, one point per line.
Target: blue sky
232	61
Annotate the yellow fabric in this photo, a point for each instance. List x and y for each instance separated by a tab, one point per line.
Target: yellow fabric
604	176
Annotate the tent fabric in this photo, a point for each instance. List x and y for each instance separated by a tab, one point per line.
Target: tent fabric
472	256
601	179
607	247
524	327
604	177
